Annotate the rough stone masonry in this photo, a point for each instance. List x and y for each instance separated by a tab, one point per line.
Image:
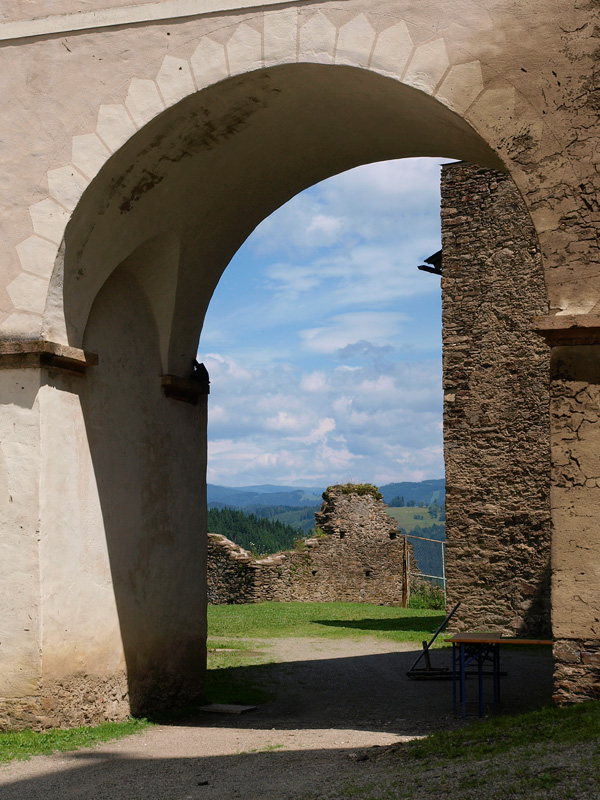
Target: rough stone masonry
496	406
358	555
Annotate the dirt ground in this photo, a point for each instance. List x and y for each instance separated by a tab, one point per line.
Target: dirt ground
333	701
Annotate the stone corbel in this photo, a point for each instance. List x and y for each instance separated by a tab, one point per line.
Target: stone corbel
570	329
50	355
183	388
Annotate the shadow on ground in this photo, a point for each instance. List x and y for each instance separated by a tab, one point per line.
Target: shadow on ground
401	624
373	693
322	700
93	775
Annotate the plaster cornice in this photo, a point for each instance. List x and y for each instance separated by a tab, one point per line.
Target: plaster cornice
127	15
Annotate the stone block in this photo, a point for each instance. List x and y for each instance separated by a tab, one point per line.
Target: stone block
209	62
114	126
280	36
317	40
89	154
392	50
66	186
143	101
355	42
427	66
461	86
37	255
49	219
244	50
175	80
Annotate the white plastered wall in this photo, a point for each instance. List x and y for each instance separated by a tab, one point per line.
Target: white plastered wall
20	455
383	41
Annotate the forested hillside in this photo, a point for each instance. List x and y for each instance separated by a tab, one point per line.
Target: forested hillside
301	518
257	534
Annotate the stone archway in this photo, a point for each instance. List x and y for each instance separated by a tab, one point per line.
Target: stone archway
251	143
142	215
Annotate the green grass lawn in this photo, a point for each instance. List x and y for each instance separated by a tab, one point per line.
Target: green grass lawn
231	677
491	737
406	517
24	744
269	620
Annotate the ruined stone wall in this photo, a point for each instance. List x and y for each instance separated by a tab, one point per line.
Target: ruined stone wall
358	555
230	578
496	406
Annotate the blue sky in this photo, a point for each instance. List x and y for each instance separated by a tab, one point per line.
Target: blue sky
323	340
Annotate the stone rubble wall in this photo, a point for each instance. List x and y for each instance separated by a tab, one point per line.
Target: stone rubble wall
575	414
229	572
83	700
496	406
357	556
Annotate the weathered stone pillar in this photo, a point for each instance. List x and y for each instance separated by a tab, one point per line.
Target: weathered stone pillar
496	400
575	500
102	470
20	459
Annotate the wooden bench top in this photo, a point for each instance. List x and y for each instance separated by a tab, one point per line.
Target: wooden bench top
492	637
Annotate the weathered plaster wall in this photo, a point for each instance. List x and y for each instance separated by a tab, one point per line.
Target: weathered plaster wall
111	554
496	406
358	557
33	9
197	129
522	97
20	620
575	409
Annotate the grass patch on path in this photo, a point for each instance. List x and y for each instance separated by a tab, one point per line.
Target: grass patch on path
229	675
22	745
333	620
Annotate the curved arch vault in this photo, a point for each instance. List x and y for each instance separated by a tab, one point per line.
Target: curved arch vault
140	156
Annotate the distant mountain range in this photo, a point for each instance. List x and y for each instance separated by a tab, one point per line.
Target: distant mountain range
302	496
264	495
426	491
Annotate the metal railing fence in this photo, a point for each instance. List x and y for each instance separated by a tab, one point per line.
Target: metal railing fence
427	560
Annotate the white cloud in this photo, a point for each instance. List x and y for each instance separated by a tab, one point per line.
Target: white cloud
319	434
218	366
365	273
285	421
326	227
315	382
368	202
358	425
350	328
324	346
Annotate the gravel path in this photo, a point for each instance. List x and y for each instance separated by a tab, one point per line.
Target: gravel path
332	699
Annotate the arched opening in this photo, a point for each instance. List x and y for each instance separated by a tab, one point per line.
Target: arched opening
496	386
142	255
210	168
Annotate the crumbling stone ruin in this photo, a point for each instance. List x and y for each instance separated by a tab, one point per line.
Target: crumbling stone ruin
357	555
496	406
